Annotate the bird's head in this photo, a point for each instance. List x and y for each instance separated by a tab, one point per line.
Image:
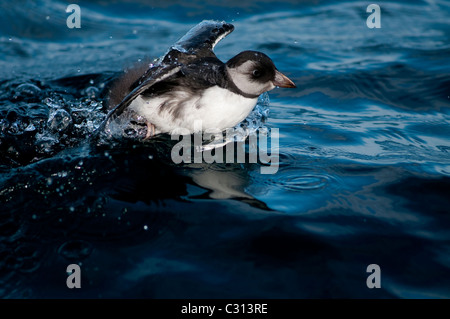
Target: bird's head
254	73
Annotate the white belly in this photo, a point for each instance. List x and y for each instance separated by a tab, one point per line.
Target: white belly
215	109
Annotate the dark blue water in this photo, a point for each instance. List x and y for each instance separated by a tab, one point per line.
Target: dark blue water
364	174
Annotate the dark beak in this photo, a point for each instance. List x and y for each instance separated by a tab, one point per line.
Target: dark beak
282	80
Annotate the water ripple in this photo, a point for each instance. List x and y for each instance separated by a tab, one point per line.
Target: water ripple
295	182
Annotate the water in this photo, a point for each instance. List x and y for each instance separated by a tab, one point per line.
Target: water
364	157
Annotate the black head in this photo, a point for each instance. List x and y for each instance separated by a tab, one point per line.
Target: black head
254	73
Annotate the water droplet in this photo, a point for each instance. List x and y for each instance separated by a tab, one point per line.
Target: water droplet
145	227
46	142
26	90
62	174
52	103
134	31
59	120
30	128
92	92
72	209
47	18
14	129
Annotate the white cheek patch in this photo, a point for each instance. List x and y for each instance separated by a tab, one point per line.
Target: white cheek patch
242	79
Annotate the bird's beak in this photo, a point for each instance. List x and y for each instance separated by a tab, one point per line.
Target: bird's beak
282	80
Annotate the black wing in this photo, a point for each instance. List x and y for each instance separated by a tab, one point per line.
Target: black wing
198	43
160	73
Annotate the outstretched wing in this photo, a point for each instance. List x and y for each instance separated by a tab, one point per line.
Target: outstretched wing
160	73
197	43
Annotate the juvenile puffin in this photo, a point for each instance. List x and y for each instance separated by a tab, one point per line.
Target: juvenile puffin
190	84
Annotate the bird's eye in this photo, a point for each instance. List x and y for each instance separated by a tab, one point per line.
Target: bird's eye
256	73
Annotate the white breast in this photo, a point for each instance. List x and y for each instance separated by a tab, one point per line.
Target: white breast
216	108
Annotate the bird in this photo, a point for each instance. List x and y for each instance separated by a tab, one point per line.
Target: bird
190	85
